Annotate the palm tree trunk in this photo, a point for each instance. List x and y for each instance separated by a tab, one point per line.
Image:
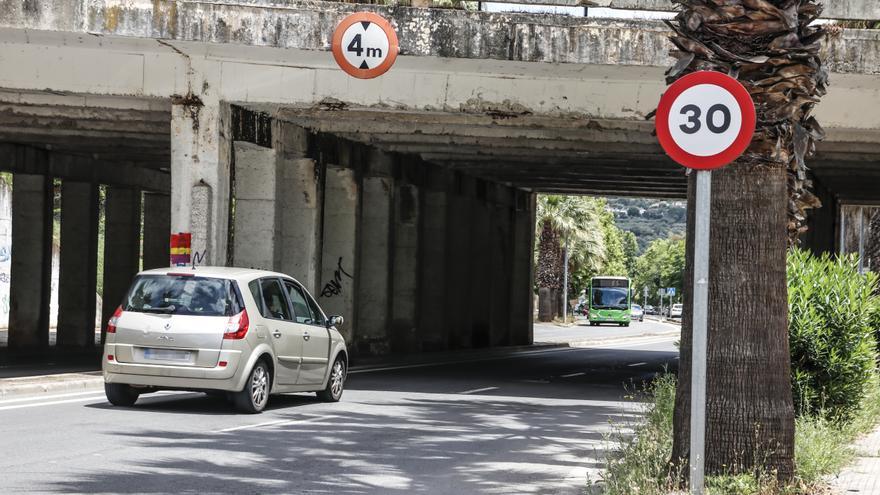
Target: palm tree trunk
549	271
759	207
750	416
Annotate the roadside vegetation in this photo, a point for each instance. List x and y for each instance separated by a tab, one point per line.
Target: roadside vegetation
834	312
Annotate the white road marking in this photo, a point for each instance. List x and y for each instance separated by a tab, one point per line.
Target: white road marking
281	422
637	364
99	397
50	397
477	390
572	375
51	403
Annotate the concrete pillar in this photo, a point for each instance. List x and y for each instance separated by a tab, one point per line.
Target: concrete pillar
479	282
521	297
157	226
374	276
339	247
405	262
298	211
432	267
77	279
30	289
122	215
458	322
255	206
200	172
823	234
501	260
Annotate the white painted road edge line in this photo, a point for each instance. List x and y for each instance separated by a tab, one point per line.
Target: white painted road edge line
50	397
99	396
637	364
478	390
572	375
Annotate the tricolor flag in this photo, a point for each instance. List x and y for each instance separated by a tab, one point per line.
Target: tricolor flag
181	249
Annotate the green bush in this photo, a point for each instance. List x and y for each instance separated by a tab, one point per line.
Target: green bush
833	349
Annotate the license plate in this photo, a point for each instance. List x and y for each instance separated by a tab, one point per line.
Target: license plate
166	355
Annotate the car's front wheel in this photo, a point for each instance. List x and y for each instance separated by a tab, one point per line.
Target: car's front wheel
120	394
336	383
253	397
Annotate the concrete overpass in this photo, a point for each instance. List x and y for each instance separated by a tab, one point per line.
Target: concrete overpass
419	184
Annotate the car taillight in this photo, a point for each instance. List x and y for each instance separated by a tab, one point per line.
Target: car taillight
111	325
237	326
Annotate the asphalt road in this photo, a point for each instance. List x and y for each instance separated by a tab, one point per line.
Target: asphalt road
582	331
526	423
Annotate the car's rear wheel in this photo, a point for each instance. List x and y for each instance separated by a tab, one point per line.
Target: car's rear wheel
336	382
120	394
253	397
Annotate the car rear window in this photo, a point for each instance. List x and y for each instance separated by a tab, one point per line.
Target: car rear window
183	295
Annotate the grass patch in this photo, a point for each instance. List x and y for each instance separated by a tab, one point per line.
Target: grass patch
638	463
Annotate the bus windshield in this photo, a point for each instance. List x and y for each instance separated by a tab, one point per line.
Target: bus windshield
610	298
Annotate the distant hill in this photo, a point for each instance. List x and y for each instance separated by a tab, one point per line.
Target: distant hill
649	219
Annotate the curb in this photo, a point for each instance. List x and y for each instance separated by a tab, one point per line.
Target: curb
66	382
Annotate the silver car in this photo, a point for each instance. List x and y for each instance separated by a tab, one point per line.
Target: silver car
246	333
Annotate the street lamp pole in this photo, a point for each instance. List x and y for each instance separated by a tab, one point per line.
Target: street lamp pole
565	284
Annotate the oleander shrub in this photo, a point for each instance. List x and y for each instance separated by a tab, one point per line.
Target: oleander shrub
831	329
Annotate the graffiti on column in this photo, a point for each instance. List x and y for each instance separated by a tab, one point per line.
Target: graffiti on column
4	254
334	286
199	257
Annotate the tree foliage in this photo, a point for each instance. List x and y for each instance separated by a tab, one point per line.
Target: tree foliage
661	265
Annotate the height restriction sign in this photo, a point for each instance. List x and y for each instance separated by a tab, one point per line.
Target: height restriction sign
365	45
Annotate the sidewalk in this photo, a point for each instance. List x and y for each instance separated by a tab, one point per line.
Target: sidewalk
863	475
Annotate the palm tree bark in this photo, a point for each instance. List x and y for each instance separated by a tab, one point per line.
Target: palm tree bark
549	270
750	415
759	207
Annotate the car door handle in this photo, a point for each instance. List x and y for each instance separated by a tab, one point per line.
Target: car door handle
306	336
277	334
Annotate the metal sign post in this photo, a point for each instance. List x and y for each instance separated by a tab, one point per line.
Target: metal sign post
700	330
705	120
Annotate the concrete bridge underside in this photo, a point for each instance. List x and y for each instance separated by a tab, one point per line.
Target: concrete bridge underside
406	203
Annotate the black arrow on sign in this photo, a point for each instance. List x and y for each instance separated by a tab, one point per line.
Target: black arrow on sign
364	65
365	24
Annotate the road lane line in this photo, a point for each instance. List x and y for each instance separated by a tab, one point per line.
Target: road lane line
572	375
637	364
477	390
280	422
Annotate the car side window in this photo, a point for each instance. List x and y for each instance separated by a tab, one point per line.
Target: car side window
301	311
274	303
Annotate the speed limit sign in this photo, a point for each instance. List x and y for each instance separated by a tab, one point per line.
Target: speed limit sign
365	45
705	120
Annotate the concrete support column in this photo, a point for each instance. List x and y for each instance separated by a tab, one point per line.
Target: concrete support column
458	321
157	225
298	199
30	289
122	215
374	276
200	177
502	247
77	279
255	206
405	262
432	268
479	282
521	298
339	247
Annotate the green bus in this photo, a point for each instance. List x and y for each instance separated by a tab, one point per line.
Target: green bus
610	301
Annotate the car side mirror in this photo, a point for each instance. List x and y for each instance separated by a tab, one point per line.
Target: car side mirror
335	321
